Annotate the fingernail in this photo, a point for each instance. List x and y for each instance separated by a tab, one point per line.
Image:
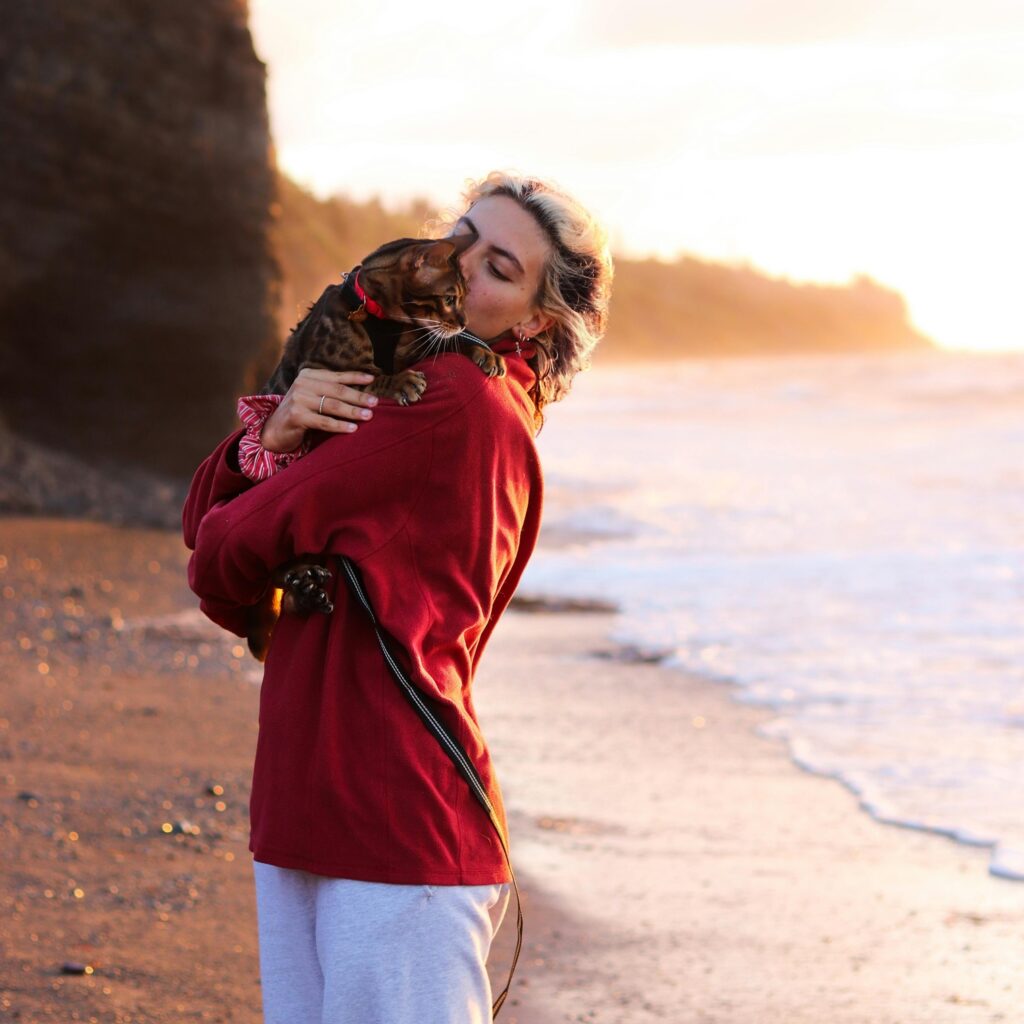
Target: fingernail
372	400
352	426
365	413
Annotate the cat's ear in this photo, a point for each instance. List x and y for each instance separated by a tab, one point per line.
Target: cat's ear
439	253
462	241
435	254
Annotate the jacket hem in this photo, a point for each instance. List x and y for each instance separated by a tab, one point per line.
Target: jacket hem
419	875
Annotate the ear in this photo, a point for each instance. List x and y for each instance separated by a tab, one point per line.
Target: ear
462	241
442	251
537	324
421	255
437	253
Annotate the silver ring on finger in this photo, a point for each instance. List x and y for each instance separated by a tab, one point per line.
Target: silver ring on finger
323	398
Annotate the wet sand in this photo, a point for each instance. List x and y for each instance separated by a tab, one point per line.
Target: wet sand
676	866
691	872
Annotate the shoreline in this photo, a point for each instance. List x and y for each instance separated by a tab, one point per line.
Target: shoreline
675	864
1005	861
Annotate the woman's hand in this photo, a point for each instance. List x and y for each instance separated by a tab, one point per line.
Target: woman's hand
300	409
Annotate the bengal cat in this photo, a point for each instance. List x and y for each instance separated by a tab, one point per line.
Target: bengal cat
401	304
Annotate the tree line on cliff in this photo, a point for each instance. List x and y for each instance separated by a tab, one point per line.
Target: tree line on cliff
660	310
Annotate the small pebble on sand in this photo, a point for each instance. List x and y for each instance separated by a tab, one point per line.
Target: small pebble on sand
74	967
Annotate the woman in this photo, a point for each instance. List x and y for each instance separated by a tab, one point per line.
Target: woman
379	879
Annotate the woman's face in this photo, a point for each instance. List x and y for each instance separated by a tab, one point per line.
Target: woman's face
502	268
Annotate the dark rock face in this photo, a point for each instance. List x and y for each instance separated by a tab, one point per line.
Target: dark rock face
137	280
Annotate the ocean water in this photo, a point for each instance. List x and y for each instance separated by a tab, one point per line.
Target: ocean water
841	537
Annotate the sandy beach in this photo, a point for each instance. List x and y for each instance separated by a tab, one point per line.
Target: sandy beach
676	866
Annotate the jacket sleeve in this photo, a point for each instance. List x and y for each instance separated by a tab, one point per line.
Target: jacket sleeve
351	495
217	479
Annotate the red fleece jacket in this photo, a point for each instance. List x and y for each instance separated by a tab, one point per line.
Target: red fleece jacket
439	505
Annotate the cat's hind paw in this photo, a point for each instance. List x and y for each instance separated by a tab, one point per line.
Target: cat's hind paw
304	590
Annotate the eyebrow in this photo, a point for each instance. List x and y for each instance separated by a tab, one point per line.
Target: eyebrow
494	248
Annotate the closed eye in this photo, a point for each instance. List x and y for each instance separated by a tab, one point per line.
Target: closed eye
496	272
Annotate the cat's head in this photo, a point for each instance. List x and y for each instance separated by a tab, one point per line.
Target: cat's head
418	281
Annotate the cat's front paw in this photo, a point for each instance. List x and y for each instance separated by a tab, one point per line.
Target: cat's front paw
408	386
490	362
304	590
405	387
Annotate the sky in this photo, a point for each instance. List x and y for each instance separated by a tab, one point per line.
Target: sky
812	140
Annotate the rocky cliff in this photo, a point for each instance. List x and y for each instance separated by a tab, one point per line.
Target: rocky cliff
137	279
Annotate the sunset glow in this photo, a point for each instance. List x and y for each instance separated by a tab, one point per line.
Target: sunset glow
815	142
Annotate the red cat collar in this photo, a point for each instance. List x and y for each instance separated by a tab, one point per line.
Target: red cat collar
373	308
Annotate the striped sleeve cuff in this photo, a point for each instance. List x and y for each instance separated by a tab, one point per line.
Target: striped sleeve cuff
255	461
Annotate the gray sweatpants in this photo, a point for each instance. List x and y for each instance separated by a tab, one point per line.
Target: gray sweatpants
340	951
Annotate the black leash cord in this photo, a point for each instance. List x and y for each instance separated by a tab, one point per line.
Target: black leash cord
449	744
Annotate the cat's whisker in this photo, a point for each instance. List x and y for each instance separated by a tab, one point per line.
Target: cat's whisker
426	343
443	342
429	336
438	329
443	325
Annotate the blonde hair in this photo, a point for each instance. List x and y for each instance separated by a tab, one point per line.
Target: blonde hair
575	283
